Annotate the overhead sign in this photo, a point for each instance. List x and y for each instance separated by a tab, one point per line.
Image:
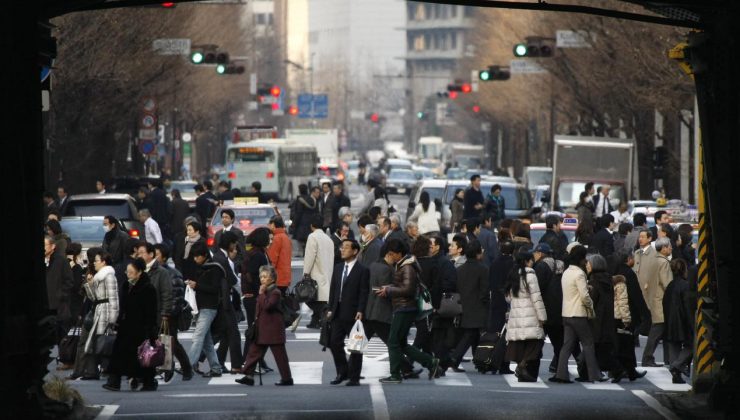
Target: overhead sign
313	106
574	39
171	46
525	66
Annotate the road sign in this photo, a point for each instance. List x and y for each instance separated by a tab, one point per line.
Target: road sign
313	106
171	46
253	83
574	39
186	149
147	134
525	66
187	137
320	106
147	147
148	121
305	105
149	105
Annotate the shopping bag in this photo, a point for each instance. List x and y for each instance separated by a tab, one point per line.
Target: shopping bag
190	299
166	339
104	342
150	354
357	340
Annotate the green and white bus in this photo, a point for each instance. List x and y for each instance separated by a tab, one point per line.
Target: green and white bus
279	166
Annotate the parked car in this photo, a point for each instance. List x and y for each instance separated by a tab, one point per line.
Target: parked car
422	172
400	181
248	218
435	188
88	231
516	196
353	170
120	206
186	188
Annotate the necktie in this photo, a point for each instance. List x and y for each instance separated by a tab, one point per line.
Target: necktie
344	278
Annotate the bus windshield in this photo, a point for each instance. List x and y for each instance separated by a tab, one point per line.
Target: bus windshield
250	154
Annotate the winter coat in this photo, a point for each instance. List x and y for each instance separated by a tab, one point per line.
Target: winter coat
438	274
677	308
621	300
208	293
428	221
178	290
487	239
496	206
250	282
470	199
405	284
325	207
114	243
270	323
280	252
306	209
59	285
180	210
103	286
472	285
379	309
654	273
602	295
602	242
558	243
456	207
576	299
370	252
318	262
527	313
552	294
162	283
137	321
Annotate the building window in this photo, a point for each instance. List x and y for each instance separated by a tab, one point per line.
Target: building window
259	19
411	11
428	11
419	43
427	42
453	40
453	11
469	11
420	12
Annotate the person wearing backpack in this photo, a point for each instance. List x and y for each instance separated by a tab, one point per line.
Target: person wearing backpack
162	253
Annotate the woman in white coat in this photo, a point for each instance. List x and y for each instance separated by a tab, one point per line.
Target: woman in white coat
525	334
425	215
102	291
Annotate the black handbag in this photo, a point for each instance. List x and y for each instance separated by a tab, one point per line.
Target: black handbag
251	334
450	306
185	320
104	342
89	318
307	290
68	347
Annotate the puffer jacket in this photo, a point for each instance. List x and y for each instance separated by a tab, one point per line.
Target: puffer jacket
621	301
405	284
527	313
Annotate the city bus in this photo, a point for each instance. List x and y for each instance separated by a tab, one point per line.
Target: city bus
280	167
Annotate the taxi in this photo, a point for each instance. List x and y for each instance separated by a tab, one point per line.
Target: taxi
568	227
249	215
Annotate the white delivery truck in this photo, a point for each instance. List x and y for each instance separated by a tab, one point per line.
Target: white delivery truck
326	142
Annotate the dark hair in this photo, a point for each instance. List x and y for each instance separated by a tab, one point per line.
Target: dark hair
101	181
149	247
131	245
364	220
474	177
458	191
506	247
91	253
552	220
397	245
342	225
74	249
379	192
48	194
277	221
226	239
386	221
518	273
577	256
176	193
495	187
679	268
460	240
667	229
315	188
472	223
439	240
164	250
56	213
372	183
523	231
208	185
199	249
587	187
604	221
105	257
624	228
259	238
62	187
302	189
424	200
54	226
326	183
144	190
224	184
317	222
639	219
196	226
355	244
421	247
374	212
229	212
112	220
257	186
139	264
658	214
473	249
486	217
582	197
647	232
198	188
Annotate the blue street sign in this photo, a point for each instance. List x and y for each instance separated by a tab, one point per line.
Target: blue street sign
313	106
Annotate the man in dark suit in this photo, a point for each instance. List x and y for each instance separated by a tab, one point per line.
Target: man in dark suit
180	210
224	192
602	206
226	324
205	204
62	199
603	241
350	284
160	206
227	219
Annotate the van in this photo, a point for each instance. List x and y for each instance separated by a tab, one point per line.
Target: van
516	196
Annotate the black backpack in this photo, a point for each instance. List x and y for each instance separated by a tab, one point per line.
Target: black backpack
289	306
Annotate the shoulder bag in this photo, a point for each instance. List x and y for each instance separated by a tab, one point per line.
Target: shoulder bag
450	305
307	290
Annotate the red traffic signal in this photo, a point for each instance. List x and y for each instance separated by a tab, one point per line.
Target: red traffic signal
374	117
168	4
476	109
275	91
292	110
275	106
466	88
453	94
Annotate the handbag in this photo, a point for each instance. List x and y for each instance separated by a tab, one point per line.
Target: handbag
423	302
68	346
185	320
251	334
325	333
104	342
89	319
150	354
450	306
307	290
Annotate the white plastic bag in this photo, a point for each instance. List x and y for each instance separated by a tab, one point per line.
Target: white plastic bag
190	299
357	342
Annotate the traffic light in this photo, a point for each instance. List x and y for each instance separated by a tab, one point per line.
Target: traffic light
275	91
229	69
453	94
494	73
374	117
421	115
293	110
208	55
476	108
466	88
534	46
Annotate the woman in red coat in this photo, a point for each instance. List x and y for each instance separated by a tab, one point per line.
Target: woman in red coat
270	331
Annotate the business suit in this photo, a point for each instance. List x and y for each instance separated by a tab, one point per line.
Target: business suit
345	301
599	209
241	242
227	322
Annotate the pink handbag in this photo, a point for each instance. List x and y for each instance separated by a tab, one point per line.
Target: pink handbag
151	356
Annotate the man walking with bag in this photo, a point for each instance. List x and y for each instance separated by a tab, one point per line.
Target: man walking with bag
347	302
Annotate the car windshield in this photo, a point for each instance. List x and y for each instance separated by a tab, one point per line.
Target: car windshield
537	234
248	217
402	175
515	198
328	171
119	209
435	192
182	186
82	230
455	173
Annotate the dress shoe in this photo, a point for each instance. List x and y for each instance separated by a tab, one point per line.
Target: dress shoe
212	374
245	380
433	369
197	370
552	369
636	375
313	326
352	383
338	380
390	380
285	382
133	384
651	364
186	376
618	376
523	376
413	374
90	378
505	371
557	380
112	387
676	376
168	374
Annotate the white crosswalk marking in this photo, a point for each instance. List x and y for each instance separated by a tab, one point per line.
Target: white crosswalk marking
661	378
453	379
304	373
513	382
598	385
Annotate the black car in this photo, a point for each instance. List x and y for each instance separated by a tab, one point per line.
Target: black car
120	206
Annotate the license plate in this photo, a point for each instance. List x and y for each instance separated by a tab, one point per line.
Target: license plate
401	190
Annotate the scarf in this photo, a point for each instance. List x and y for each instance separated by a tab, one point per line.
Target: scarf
189	243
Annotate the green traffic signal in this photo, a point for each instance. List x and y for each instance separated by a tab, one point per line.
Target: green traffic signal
420	115
221	69
484	75
520	50
197	57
